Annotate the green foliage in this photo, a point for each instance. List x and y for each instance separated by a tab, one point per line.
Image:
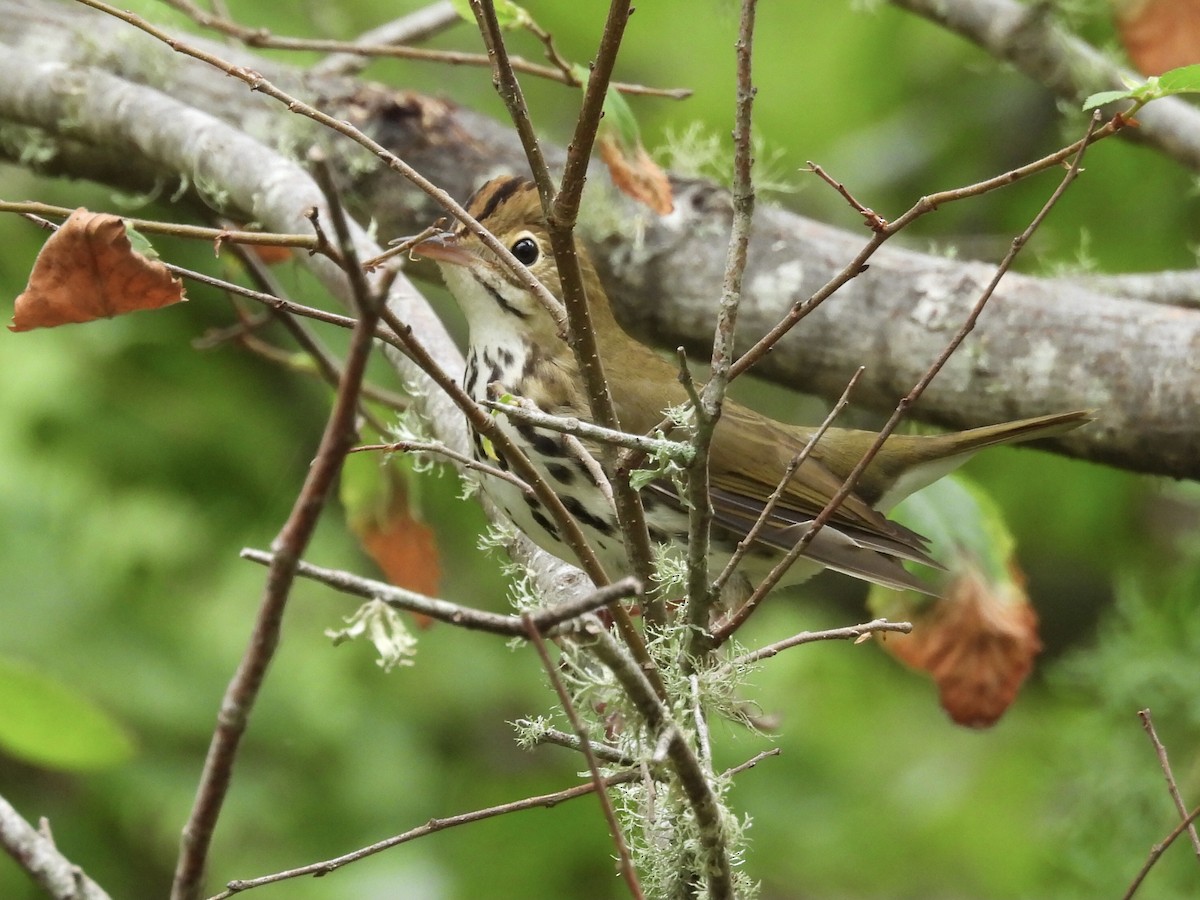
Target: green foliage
960	519
1184	80
510	15
1116	805
48	724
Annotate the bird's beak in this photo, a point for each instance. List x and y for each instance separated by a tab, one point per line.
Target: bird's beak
442	248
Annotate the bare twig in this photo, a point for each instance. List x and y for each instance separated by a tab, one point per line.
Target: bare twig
572	742
848	633
387	42
708	409
585	746
440	449
736	618
1164	763
243	689
524	411
1157	851
935	367
883	230
218	236
550	621
412	28
42	861
431	827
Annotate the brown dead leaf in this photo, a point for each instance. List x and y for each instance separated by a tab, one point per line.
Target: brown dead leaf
636	174
978	641
88	270
271	254
379	512
1159	34
405	550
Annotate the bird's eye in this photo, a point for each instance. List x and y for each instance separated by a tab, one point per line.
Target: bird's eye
526	250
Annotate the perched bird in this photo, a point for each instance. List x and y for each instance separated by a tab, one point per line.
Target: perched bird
514	341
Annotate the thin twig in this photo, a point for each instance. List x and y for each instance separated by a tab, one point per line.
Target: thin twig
524	411
551	621
509	88
1157	851
386	42
546	735
1164	763
935	367
882	232
411	28
437	447
708	409
218	236
244	687
848	633
628	872
431	827
736	618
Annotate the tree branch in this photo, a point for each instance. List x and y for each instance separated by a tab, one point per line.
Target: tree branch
35	853
1091	347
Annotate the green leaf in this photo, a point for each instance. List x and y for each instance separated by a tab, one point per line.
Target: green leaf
1105	97
140	243
960	520
619	119
510	15
49	724
618	116
1184	80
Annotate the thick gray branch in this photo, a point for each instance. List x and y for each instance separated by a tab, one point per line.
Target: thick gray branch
1042	344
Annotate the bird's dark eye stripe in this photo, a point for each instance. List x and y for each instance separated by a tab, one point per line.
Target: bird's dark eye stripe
500	193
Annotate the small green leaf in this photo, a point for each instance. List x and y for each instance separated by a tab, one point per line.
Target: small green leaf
619	117
508	14
49	724
1184	80
140	243
1105	97
639	478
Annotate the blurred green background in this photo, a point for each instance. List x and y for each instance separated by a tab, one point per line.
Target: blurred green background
135	467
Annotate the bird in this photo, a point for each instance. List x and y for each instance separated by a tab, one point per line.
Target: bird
514	343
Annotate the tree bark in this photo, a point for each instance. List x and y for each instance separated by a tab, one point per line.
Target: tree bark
1041	345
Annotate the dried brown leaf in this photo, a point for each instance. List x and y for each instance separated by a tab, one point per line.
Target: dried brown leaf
978	641
637	175
88	270
1159	34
